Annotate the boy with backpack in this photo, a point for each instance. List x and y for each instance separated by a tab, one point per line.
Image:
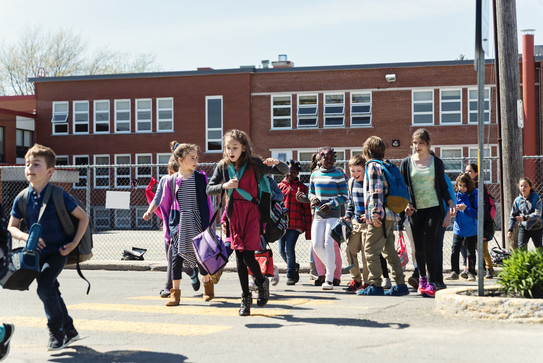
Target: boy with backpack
54	244
381	220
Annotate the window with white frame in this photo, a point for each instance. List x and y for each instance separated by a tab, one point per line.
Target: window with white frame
423	107
143	173
122	116
283	155
101	175
162	160
308	107
101	116
62	160
81	117
60	118
82	160
473	96
361	109
487	162
140	222
451	106
144	114
24	139
164	110
122	171
214	123
452	161
305	157
334	110
123	219
282	112
101	219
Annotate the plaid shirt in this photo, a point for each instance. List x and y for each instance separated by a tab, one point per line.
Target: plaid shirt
376	188
299	214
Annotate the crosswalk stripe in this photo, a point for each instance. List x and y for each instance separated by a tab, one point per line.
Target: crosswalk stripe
286	301
178	310
127	326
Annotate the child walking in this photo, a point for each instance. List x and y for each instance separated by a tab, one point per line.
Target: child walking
239	171
186	216
54	244
424	175
526	207
327	193
465	226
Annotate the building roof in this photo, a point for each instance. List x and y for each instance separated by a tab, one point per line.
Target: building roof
17	113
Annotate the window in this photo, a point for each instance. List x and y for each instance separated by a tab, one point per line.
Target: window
472	95
164	111
81	117
62	160
101	175
143	173
140	222
283	155
162	161
101	116
122	219
101	218
214	123
451	106
423	107
334	110
143	115
122	116
24	141
308	106
452	160
122	173
60	118
82	160
305	158
487	162
281	112
361	109
2	145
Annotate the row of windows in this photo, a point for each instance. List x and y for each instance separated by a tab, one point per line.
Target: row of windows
360	109
122	116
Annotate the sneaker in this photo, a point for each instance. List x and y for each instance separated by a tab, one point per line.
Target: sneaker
386	283
297	273
4	344
440	286
252	285
165	293
328	285
71	336
319	281
398	290
471	277
489	274
57	341
313	275
290	281
422	285
336	282
263	292
464	274
275	279
372	290
353	286
414	282
429	291
453	276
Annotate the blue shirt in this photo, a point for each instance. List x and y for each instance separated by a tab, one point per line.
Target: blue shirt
52	232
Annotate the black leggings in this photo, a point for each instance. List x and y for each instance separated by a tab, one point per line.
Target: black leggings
425	223
244	260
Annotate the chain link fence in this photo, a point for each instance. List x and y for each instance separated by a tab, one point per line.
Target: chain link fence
118	229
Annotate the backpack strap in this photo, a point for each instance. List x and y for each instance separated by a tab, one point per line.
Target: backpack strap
173	180
232	173
22	201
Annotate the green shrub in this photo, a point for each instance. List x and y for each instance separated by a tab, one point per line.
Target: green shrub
522	274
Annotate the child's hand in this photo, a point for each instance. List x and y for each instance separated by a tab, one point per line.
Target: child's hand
347	219
409	210
67	248
231	184
460	207
376	220
223	228
41	243
271	161
315	202
509	234
146	216
520	219
324	207
299	196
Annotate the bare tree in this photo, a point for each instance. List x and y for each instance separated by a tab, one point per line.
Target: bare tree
57	54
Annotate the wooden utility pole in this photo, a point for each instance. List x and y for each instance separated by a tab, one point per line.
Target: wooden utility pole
508	60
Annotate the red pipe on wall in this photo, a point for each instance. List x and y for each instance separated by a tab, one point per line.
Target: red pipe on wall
528	98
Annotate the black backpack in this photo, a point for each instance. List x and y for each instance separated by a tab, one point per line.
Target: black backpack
489	227
5	244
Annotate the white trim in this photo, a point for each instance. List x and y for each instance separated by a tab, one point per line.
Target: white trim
146	177
82	178
75	113
116	112
163	164
63	115
120	219
333	115
159	110
361	114
149	109
117	168
307	116
275	154
422	113
273	107
97	219
98	176
214	129
96	112
489	111
455	112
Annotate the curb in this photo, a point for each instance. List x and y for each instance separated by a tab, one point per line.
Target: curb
450	302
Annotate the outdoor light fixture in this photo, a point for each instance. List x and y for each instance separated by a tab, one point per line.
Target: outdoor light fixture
390	77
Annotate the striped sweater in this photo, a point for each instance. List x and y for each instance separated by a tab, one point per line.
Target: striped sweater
329	186
355	208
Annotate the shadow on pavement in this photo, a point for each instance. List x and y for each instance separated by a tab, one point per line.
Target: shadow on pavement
84	354
329	321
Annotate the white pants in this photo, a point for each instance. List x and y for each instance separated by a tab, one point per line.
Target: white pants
324	245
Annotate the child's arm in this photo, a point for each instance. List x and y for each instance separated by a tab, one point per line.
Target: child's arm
375	191
16	233
150	210
80	214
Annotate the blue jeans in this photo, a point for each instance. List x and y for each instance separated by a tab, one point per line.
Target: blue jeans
49	293
287	245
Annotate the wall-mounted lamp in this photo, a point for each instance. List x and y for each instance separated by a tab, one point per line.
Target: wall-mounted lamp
390	77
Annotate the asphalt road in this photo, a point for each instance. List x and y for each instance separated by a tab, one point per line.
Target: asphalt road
124	320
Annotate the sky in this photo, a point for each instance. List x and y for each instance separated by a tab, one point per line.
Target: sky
184	35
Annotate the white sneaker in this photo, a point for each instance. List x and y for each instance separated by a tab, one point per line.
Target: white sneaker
471	277
328	285
386	283
252	285
275	279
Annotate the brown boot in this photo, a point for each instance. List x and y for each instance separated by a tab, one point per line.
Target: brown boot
175	296
209	289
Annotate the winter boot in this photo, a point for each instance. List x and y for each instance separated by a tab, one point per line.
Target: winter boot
175	296
263	292
209	290
246	302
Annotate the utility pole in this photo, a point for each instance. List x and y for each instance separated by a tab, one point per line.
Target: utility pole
508	60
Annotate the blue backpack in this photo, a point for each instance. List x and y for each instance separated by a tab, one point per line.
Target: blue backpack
397	198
